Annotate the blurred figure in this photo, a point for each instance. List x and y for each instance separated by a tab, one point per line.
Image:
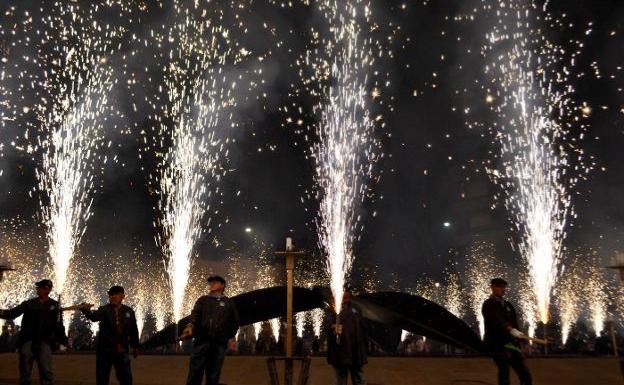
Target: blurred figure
346	343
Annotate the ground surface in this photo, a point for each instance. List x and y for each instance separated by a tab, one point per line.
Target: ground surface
171	370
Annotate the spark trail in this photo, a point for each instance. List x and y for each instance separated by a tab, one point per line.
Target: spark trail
343	152
534	132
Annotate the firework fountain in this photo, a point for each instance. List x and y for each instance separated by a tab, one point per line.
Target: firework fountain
533	130
596	298
77	86
343	153
197	91
480	270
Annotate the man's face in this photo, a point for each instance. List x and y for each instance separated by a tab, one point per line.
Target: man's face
216	285
346	298
43	291
499	291
116	299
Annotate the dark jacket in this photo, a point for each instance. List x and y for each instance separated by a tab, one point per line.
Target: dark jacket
41	322
108	337
352	349
498	316
214	319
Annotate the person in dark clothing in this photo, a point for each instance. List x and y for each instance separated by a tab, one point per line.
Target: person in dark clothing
502	335
213	325
118	335
41	333
347	343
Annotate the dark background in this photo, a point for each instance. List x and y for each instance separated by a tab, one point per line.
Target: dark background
272	172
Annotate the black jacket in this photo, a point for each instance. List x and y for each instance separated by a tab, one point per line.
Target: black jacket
498	316
41	322
107	338
352	349
214	319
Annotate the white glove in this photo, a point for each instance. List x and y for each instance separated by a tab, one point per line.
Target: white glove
516	333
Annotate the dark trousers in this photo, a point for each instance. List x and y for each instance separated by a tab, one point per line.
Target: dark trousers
511	359
206	357
30	352
342	374
105	361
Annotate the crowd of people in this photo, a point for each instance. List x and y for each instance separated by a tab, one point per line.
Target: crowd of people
214	329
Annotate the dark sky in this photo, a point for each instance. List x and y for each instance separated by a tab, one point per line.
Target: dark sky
407	235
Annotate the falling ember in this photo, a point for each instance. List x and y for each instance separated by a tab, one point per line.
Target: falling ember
345	133
535	113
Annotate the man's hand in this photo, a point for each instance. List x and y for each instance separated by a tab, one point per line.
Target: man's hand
187	332
232	345
86	306
135	352
516	333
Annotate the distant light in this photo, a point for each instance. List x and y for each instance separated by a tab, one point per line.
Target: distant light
248	229
447	224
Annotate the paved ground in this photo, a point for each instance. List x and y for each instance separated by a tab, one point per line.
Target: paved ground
171	370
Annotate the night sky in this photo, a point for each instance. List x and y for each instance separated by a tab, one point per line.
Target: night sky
431	172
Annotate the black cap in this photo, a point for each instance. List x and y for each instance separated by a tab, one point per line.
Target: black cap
216	278
44	283
498	282
115	290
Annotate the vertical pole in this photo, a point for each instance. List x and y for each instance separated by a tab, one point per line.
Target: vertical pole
289	303
290	265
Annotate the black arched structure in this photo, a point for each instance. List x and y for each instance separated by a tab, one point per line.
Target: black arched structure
396	310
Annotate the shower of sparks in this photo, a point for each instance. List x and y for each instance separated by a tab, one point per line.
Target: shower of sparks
198	92
528	305
536	114
481	268
18	249
453	300
317	321
344	153
568	300
257	329
275	327
71	112
300	323
596	298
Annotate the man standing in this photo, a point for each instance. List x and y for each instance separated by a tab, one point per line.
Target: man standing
347	343
117	336
214	322
502	334
41	332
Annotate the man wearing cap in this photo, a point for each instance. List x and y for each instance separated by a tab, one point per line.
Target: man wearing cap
502	334
118	335
41	332
213	325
